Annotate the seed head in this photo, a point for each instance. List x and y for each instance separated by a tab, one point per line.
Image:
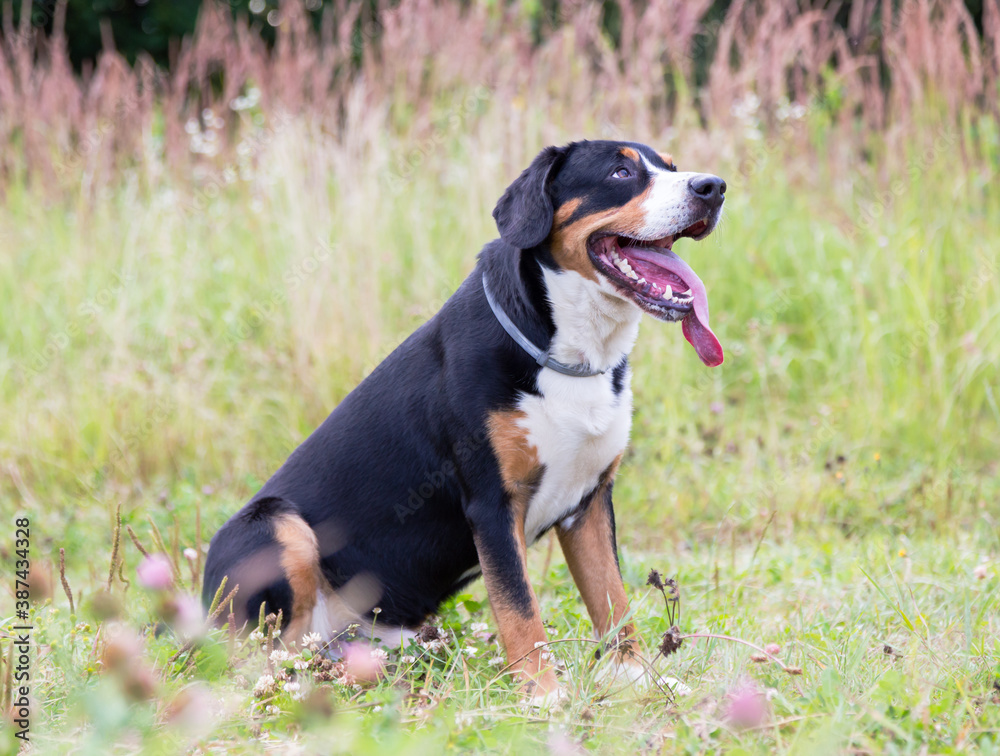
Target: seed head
655	580
428	634
672	640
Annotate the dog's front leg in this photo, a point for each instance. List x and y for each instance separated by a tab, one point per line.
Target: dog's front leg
499	536
592	555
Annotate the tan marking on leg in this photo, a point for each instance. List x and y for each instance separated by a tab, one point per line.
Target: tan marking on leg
520	472
629	153
300	563
519	632
590	554
518	458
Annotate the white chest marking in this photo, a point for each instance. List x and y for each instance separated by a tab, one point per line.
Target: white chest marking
578	426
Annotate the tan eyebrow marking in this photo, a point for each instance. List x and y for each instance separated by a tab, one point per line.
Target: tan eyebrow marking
667	158
629	153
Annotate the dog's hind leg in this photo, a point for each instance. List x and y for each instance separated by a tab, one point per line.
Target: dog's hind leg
272	554
300	566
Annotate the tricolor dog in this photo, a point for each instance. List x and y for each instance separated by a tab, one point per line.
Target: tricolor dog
503	416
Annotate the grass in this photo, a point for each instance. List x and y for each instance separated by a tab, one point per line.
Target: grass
832	488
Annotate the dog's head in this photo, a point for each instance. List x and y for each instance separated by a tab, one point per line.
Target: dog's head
611	212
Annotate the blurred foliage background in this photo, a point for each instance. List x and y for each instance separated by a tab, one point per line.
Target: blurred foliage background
157	27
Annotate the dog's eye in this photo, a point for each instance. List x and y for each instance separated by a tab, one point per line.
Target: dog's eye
622	173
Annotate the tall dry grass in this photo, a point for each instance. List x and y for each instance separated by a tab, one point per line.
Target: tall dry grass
394	67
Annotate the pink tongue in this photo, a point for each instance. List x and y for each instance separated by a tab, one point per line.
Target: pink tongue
703	340
696	328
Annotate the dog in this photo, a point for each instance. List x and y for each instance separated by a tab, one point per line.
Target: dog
503	416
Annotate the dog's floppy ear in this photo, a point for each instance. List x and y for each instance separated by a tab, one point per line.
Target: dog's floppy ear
524	213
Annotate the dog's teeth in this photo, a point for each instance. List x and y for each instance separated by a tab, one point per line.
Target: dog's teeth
625	268
643	280
668	293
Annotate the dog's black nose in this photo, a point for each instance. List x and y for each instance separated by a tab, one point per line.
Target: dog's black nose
710	188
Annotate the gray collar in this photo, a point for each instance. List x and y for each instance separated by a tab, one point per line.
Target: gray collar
541	357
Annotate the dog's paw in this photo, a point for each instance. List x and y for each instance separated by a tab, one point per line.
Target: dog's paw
675	685
541	700
627	670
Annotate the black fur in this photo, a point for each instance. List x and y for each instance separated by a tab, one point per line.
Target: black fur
524	212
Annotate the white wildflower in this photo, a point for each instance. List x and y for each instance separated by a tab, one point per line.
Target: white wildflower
264	685
279	655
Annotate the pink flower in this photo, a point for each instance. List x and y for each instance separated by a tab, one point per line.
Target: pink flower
184	614
362	662
154	572
747	707
773	649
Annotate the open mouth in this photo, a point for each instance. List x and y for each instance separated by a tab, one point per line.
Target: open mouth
649	273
